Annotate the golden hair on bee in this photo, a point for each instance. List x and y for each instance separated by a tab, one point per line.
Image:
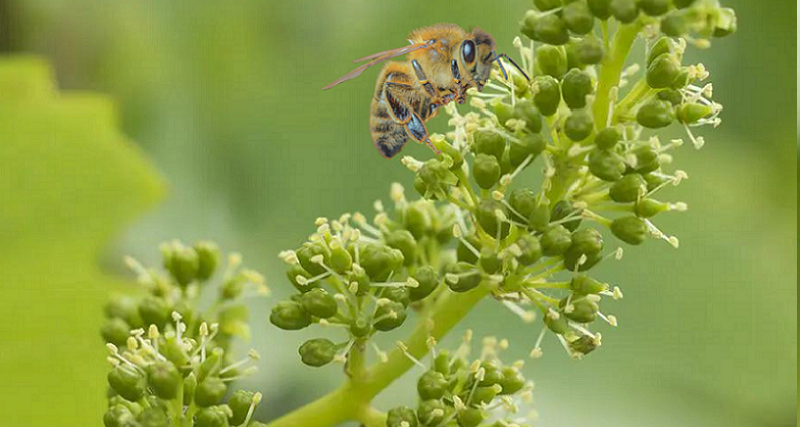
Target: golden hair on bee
443	62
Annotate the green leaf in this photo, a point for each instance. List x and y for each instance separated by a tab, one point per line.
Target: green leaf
69	181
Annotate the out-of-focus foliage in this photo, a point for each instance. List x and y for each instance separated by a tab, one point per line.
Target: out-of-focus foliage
225	97
69	181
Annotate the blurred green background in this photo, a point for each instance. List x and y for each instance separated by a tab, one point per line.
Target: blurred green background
235	138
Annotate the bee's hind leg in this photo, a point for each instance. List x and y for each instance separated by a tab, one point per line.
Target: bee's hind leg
418	131
396	95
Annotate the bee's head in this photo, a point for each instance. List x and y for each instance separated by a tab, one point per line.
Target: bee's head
476	55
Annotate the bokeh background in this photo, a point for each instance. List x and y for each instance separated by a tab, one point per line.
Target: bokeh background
226	135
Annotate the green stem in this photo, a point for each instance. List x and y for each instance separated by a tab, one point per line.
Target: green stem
351	400
611	69
371	417
640	91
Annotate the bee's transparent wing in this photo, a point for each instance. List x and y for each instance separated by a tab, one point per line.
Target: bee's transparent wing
376	58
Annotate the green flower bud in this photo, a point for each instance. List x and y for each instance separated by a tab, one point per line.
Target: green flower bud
626	11
724	22
432	412
418	218
404	241
548	28
647	159
692	112
544	5
123	307
232	287
182	262
504	113
189	387
600	8
530	145
526	110
539	218
585	242
523	202
489	261
579	125
153	417
163	378
558	325
629	229
317	352
341	259
628	189
309	251
492	374
397	294
119	416
154	311
584	345
555	240
289	315
402	416
174	351
427	280
575	87
578	17
239	403
589	51
320	303
432	385
391	316
606	165
663	71
215	416
512	381
462	277
116	331
491	143
648	208
380	261
486	214
128	382
607	138
484	395
664	45
654	7
441	363
580	309
547	92
653	181
655	114
434	179
584	284
465	254
297	270
486	171
207	258
360	327
670	95
469	417
212	365
675	24
552	61
530	248
209	392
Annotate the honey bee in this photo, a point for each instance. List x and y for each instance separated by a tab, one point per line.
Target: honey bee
443	62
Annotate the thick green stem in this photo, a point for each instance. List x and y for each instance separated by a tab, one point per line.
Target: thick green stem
351	400
611	69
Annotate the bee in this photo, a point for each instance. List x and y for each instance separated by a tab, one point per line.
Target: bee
443	62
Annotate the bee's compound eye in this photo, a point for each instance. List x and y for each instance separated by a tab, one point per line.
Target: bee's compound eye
469	51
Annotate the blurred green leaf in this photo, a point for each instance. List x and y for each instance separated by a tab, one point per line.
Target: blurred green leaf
69	180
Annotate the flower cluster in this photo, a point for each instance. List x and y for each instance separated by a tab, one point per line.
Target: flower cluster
458	390
171	362
535	242
364	276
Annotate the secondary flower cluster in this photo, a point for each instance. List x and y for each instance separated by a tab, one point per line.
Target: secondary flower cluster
458	390
171	362
362	276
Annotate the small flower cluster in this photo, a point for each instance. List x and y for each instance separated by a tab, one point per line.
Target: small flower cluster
362	276
171	363
459	391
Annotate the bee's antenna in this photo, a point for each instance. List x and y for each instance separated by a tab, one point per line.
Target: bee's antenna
500	63
503	55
